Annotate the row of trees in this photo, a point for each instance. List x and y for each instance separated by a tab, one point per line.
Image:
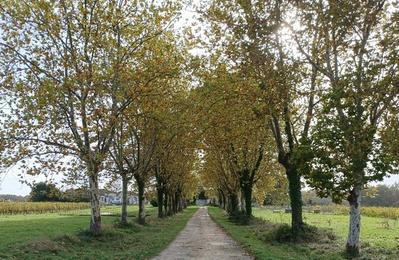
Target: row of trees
97	88
285	91
238	150
312	85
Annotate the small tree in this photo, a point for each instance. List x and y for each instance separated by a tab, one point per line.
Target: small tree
43	191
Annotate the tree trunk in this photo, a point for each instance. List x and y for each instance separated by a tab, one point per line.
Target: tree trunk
141	217
352	244
124	200
232	204
247	191
166	204
174	198
224	201
242	202
294	184
181	206
95	221
160	201
170	205
179	202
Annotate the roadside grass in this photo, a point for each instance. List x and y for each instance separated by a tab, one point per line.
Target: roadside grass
15	229
375	232
260	238
65	236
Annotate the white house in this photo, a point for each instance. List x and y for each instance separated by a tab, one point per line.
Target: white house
116	198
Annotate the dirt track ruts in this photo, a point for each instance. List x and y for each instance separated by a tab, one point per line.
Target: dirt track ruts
202	238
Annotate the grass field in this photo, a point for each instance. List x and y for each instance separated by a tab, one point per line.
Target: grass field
259	236
64	236
377	232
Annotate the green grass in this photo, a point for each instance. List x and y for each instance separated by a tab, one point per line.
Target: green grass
376	232
63	236
258	238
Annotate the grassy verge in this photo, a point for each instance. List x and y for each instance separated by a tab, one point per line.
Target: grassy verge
260	239
376	232
57	236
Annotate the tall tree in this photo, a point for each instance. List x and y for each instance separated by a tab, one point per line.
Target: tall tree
362	85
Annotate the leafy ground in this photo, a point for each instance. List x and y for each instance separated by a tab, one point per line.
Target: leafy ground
260	238
64	236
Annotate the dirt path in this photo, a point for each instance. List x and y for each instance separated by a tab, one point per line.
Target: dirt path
203	239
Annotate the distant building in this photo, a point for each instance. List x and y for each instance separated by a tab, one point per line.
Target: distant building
116	198
202	202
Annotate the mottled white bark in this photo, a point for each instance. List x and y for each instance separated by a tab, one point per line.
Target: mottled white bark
352	244
95	221
124	200
141	218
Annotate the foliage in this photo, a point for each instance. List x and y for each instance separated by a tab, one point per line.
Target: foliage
43	191
202	195
76	195
74	68
346	143
154	202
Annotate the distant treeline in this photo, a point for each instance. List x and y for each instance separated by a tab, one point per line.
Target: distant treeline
42	192
10	197
376	196
49	192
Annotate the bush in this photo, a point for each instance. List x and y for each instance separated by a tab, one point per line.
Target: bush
283	233
308	234
154	202
45	192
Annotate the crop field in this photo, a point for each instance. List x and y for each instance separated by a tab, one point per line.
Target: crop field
7	208
376	231
380	212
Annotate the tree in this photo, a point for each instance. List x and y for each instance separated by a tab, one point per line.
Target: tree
176	154
234	134
73	69
43	191
80	194
362	85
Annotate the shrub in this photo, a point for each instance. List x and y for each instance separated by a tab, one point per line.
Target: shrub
154	202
